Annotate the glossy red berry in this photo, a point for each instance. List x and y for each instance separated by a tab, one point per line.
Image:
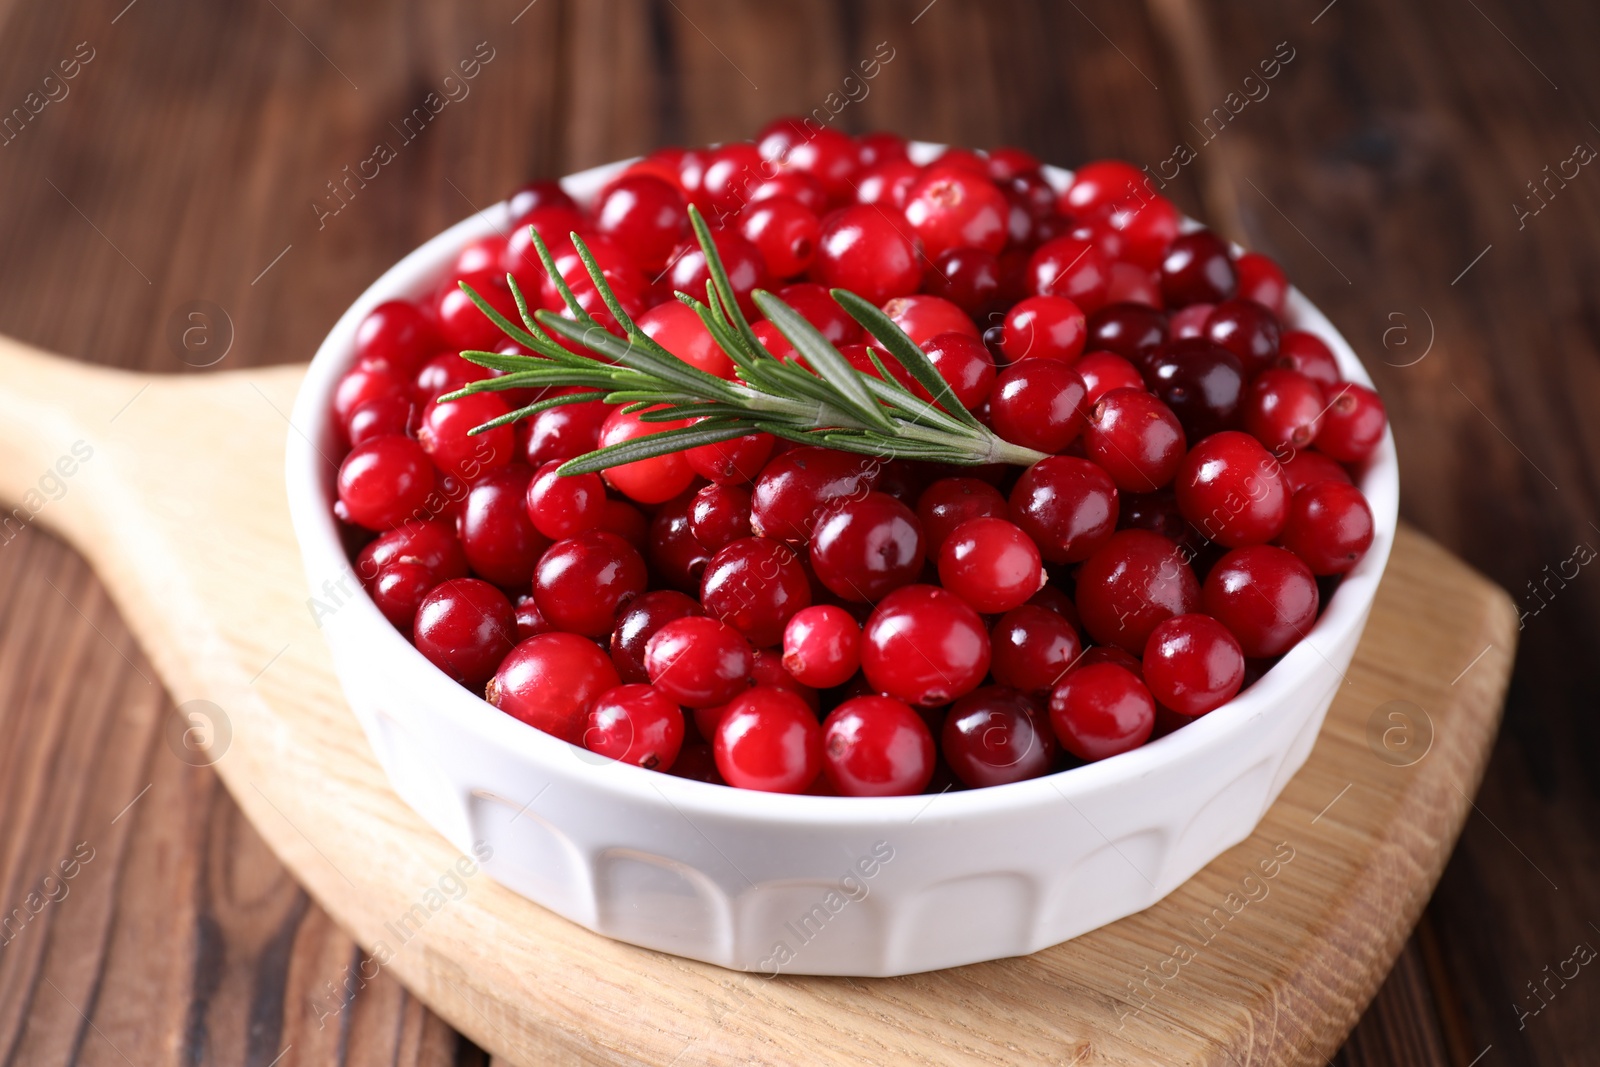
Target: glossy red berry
1246	329
646	216
635	724
398	335
818	307
991	564
769	739
582	581
1071	268
649	481
1038	403
925	646
380	417
795	489
1283	410
1265	595
876	746
734	462
638	622
1043	327
363	385
1100	186
428	544
550	681
996	736
827	155
565	505
461	323
745	266
1197	270
1192	664
785	231
445	433
465	627
1102	710
719	515
1203	383
676	327
1104	371
880	146
1128	330
501	544
1132	584
1032	648
863	250
676	558
698	661
922	317
792	185
1135	438
1310	355
385	481
887	184
535	195
1330	527
863	549
950	208
1231	489
968	278
565	432
949	502
1353	425
965	365
755	585
1309	468
1067	505
1262	280
822	646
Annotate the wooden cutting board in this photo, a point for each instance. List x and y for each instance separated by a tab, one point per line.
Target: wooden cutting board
173	488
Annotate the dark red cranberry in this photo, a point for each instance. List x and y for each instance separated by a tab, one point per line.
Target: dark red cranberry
385	481
1262	280
1102	710
465	627
1067	505
676	558
949	502
797	486
968	278
864	250
719	514
925	646
530	620
1197	270
1330	527
769	740
638	622
1135	438
1038	404
1192	664
428	544
565	432
747	269
1232	490
1133	583
964	364
550	681
1132	331
399	590
1068	267
995	736
785	231
1246	329
876	746
1104	371
862	549
398	335
501	545
1283	410
755	585
1158	512
1032	647
699	662
1201	382
581	582
1353	425
637	725
1310	355
381	417
1266	597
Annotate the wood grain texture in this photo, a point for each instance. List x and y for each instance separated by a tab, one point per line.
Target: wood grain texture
188	153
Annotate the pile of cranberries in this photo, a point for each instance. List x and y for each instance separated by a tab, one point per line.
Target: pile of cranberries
796	619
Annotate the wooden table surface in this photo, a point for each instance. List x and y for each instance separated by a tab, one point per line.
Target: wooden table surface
171	157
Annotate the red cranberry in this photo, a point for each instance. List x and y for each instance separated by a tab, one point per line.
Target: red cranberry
1102	710
428	544
535	195
746	268
1283	410
994	736
731	171
646	216
465	627
385	481
398	335
1104	371
676	558
565	432
755	585
888	184
1310	355
719	515
953	209
1101	185
1043	327
949	502
1032	648
1147	227
1309	468
769	740
1070	268
1129	330
1137	580
699	662
1158	512
1038	404
1265	596
627	522
1200	381
582	581
696	763
875	746
965	365
380	417
822	646
1192	664
550	681
734	462
862	549
398	591
968	278
922	317
462	324
445	434
554	223
486	253
772	339
829	156
1246	329
925	646
649	481
500	543
864	251
797	486
991	564
1232	490
1262	280
1197	270
769	670
785	231
818	307
1189	322
1067	505
1135	438
792	185
638	622
1353	425
1329	527
635	724
565	506
364	385
676	327
880	146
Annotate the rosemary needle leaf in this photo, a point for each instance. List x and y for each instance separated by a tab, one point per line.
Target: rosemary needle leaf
648	447
905	350
825	360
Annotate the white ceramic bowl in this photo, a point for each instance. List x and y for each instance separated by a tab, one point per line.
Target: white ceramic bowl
802	884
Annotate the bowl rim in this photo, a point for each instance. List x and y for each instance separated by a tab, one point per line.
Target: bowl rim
309	481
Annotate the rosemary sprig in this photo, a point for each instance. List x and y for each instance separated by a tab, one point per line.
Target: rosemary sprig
815	398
